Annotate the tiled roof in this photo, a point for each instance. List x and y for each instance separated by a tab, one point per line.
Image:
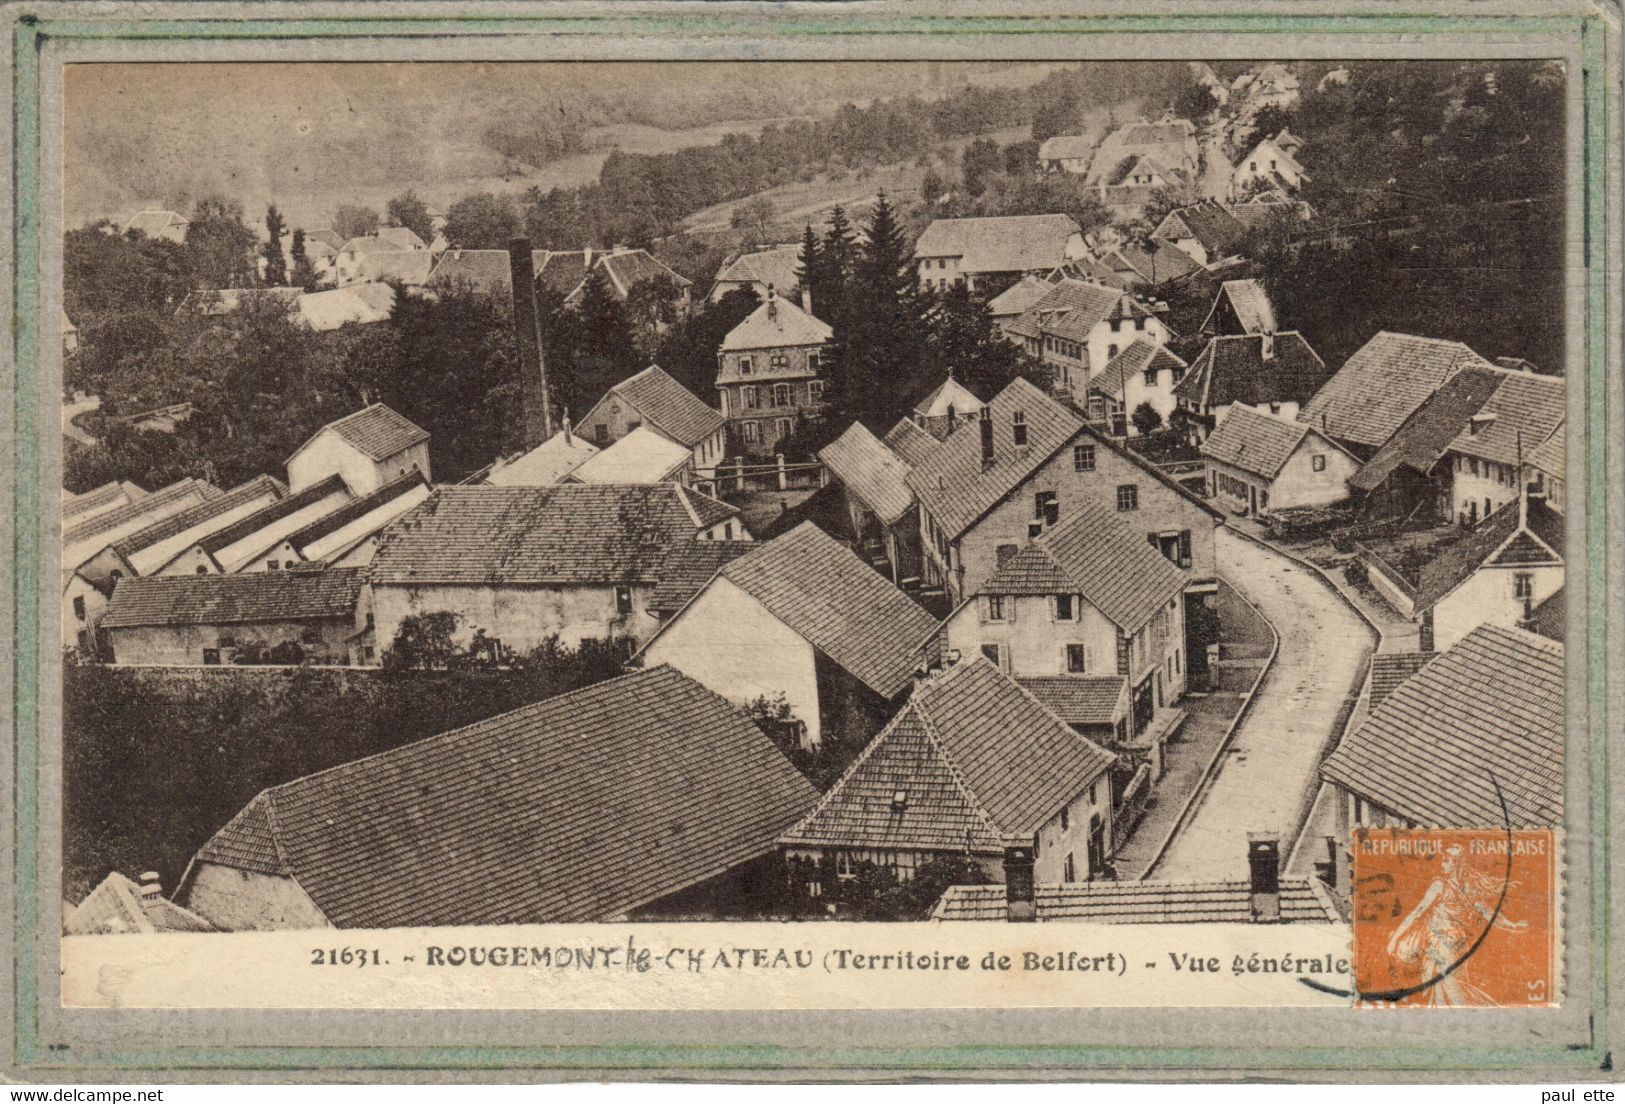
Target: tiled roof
569	533
276	511
1548	617
1164	261
1249	302
115	906
545	464
870	470
387	239
1080	699
1550	456
168	498
108	495
776	324
1425	436
402	266
1009	243
1065	147
1208	222
1383	383
1488	711
837	603
204	512
1232	369
1138	358
687	567
233	599
1283	154
1456	562
377	432
579	808
355	510
1173	143
909	441
1090	305
642	456
1527	409
949	395
1094	300
1389	669
1093	552
778	268
629	268
361	304
482	269
977	760
1105	902
327	237
1254	442
668	406
1018	296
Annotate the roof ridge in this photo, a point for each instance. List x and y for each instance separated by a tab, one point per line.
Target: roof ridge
935	739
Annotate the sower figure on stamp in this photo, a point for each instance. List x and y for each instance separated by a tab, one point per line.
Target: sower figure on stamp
1443	927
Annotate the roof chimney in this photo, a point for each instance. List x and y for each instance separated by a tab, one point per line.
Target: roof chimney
1019	903
985	418
151	889
772	303
527	327
1264	868
1266	345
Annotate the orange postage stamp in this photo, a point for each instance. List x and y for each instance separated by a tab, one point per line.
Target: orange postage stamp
1455	917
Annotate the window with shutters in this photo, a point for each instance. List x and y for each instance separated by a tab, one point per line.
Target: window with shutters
782	395
995	607
1523	585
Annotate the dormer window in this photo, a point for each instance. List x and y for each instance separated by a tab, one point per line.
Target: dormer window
1018	429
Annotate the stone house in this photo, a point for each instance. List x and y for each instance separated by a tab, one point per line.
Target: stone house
769	372
1258	462
1273	164
1080	326
367	449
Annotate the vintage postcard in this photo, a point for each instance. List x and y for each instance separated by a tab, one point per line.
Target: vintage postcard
708	537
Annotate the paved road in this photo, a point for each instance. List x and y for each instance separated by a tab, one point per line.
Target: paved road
1267	777
71	410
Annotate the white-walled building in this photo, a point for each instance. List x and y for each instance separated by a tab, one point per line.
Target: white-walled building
367	449
977	251
654	401
1259	462
1142	374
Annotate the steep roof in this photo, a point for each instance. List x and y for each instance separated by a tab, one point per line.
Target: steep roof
1140	357
687	567
116	906
579	808
1209	222
159	600
837	603
377	432
1389	669
778	268
977	760
949	395
1526	410
1522	535
1092	552
1104	902
204	512
1080	699
627	268
1425	436
1018	296
1383	383
870	470
1550	456
1008	243
545	464
568	533
1255	442
774	324
642	456
1172	142
1232	369
1164	261
1094	300
911	443
1487	712
361	304
668	406
1249	302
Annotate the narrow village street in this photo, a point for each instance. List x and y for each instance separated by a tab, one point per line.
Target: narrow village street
1267	777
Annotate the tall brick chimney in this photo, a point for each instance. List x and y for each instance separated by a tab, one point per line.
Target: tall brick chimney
985	419
527	329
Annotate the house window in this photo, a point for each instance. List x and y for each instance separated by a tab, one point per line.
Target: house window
1318	462
202	569
211	657
1076	659
990	652
815	390
1128	497
1523	585
1097	413
1151	377
1065	608
273	565
752	399
1111	351
79	606
1184	548
995	607
1046	507
1472	464
623	599
782	427
752	432
1018	428
778	360
744	366
1071	869
1083	456
782	395
1252	166
843	865
813	362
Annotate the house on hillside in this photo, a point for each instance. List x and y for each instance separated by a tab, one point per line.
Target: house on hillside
1078	327
1069	153
163	225
1259	462
1272	164
1029	462
1205	232
948	405
1240	307
1490	706
367	449
295	617
800	616
347	847
546	464
233	547
575	560
777	267
652	400
346	535
1144	374
972	769
1274	373
879	504
1088	599
995	252
769	373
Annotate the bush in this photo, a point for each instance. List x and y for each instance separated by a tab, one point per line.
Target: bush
1356	572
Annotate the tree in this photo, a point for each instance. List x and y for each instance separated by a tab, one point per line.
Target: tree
753	215
276	265
483	221
980	159
932	187
605	350
651	306
354	222
219	247
1146	419
1195	102
688	350
1271	119
1020	158
424	642
104	272
411	212
966	341
303	273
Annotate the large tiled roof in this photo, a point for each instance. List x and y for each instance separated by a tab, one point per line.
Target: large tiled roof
1163	261
1080	699
386	239
482	269
1249	302
837	603
668	406
1526	409
1254	442
569	533
1208	222
642	456
1487	712
1143	355
1065	296
1008	243
545	464
1171	142
1092	305
105	497
177	523
1103	902
410	267
377	432
1093	552
233	599
776	324
631	267
977	760
1018	296
687	567
1233	369
1456	562
909	442
362	304
291	504
355	510
1383	383
1425	436
158	503
580	808
1389	669
779	268
870	470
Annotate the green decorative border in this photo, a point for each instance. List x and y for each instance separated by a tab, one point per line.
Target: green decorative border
1591	30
